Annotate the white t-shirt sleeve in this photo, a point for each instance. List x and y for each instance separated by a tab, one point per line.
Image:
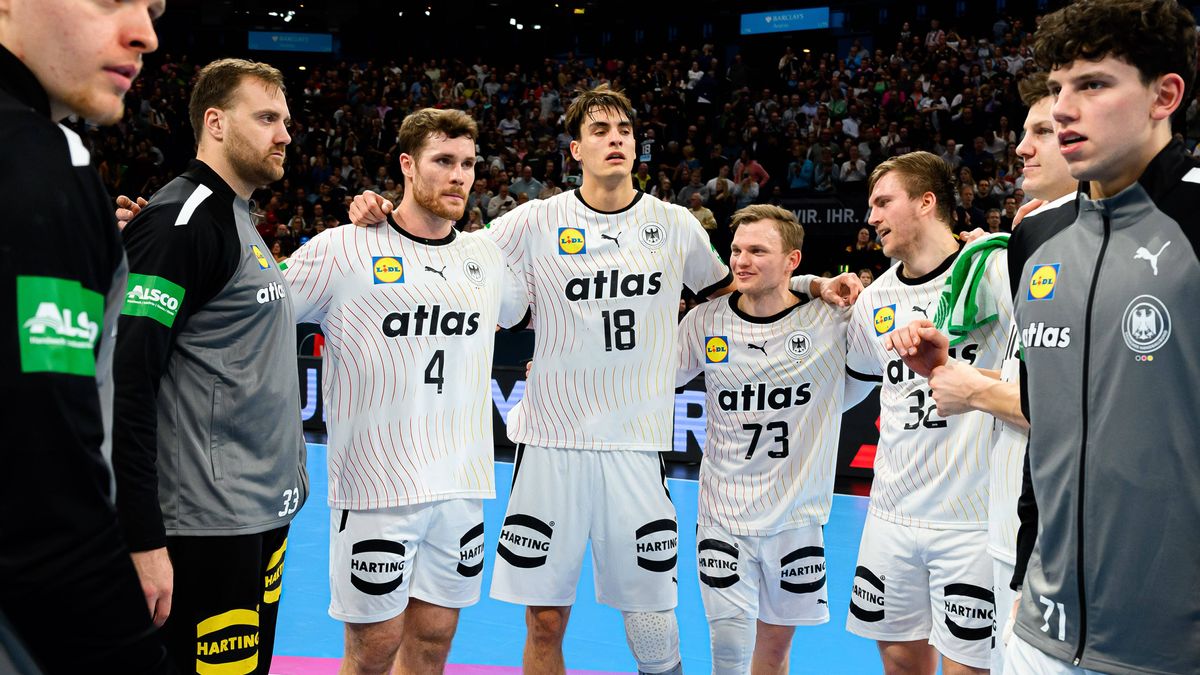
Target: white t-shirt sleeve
702	267
514	298
863	351
312	274
688	341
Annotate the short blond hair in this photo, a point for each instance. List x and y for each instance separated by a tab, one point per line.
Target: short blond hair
786	224
921	172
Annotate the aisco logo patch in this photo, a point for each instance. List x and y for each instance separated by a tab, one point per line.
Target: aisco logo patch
58	323
153	297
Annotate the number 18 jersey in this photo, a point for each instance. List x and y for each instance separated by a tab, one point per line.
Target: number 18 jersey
774	391
930	471
604	289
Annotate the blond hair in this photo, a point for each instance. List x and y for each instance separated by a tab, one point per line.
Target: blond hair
786	224
921	172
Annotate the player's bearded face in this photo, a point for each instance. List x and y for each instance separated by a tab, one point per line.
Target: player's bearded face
257	137
441	174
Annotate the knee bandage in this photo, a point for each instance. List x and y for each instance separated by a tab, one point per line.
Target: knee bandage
732	645
654	640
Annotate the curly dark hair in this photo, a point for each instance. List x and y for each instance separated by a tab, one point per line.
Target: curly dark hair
1155	36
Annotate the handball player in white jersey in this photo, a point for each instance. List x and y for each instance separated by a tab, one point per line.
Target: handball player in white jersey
959	388
605	266
923	584
409	312
774	370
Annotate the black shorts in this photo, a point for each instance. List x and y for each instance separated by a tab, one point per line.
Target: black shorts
226	601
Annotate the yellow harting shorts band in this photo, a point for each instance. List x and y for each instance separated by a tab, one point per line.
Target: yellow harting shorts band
234	617
272	581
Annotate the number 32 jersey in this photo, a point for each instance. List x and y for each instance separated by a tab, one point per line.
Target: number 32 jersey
774	391
930	471
409	325
605	290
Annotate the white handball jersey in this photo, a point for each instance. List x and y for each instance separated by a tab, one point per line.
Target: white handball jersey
409	329
1008	458
774	390
930	471
604	289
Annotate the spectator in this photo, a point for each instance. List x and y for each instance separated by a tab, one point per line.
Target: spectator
854	169
864	253
641	179
526	184
866	276
694	187
501	204
745	192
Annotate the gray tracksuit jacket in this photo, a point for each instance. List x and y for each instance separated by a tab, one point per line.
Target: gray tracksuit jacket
1109	313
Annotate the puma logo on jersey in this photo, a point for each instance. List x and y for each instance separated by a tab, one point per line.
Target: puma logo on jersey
441	273
613	284
272	292
1144	253
762	348
615	240
921	310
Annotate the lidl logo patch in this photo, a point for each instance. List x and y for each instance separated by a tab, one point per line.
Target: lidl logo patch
58	323
1041	282
716	349
884	319
153	297
571	241
263	261
388	270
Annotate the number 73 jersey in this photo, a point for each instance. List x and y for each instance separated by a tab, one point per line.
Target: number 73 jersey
605	293
774	388
930	471
409	328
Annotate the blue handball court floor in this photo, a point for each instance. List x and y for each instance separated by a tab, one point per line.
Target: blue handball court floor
491	633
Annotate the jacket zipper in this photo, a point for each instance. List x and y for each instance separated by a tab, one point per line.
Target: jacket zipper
1087	348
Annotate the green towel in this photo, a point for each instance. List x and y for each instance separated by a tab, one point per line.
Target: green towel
967	303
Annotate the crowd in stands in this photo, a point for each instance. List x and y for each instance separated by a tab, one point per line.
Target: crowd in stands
711	136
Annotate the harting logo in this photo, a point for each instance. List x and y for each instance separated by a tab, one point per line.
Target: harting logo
868	593
718	563
803	570
273	579
656	544
272	292
470	552
527	534
377	566
970	611
227	643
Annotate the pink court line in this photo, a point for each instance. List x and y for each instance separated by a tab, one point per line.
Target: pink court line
303	665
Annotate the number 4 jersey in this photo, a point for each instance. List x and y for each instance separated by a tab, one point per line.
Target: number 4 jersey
605	293
930	471
409	329
774	392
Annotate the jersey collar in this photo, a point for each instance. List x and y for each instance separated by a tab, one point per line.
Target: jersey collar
637	197
749	318
422	240
20	82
